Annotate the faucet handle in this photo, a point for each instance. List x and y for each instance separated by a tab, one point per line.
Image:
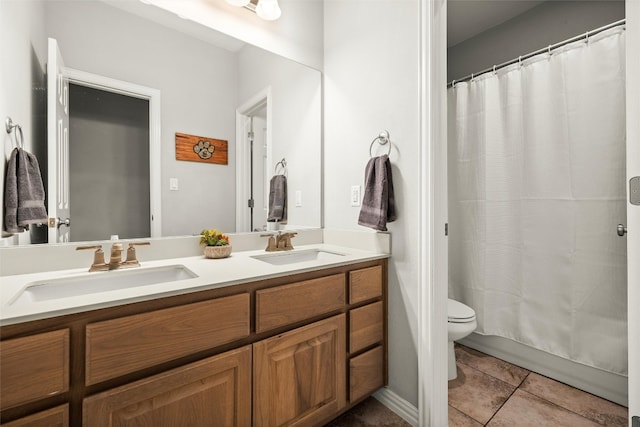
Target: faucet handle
271	244
98	257
131	253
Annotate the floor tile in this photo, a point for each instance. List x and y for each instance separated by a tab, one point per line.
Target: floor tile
497	368
369	413
595	408
458	419
526	410
477	394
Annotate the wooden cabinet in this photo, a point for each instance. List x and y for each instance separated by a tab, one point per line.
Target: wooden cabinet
288	304
55	417
119	346
365	284
213	392
300	375
366	373
366	326
34	367
285	351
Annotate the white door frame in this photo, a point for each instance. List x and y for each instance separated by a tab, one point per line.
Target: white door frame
433	274
633	212
152	95
243	114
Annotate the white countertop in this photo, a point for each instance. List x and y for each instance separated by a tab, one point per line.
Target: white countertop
239	268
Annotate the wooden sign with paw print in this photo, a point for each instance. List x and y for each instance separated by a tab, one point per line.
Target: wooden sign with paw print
195	148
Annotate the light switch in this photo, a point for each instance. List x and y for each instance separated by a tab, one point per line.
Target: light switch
173	184
355	195
298	198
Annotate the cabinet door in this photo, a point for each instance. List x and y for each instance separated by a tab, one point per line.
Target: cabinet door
213	392
300	376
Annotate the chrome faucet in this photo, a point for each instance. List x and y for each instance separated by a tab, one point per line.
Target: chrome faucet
115	259
279	241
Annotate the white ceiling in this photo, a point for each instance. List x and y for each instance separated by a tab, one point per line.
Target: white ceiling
468	18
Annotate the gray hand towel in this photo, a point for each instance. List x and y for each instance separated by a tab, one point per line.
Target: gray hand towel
23	193
278	199
378	204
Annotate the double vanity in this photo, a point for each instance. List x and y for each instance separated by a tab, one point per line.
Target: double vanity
256	339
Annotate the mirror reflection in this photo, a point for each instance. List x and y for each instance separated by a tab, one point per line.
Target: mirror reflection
123	182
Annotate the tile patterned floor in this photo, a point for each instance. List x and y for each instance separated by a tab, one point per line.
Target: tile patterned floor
369	413
491	392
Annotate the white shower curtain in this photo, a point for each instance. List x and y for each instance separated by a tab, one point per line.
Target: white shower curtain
536	190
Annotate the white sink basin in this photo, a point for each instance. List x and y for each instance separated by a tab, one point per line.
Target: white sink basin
91	283
282	258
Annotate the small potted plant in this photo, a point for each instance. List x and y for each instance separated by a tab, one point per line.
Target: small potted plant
216	244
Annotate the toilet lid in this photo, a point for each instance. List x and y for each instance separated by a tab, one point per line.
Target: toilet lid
458	312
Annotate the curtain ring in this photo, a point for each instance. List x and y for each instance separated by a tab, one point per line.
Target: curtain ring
520	61
586	37
471	76
494	70
453	83
549	50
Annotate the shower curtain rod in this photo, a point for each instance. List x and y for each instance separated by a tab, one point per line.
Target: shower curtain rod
537	52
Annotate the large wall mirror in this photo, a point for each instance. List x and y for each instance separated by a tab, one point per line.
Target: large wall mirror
267	107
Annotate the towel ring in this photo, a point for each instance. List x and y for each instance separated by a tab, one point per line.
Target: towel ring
283	164
17	135
382	139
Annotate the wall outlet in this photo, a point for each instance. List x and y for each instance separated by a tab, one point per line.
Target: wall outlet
298	198
355	195
173	184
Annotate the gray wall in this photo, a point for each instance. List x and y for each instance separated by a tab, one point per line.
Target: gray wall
371	83
24	52
108	160
549	23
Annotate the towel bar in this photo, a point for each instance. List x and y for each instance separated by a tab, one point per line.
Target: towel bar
382	139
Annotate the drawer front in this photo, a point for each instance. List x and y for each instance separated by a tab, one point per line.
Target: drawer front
365	284
365	326
366	373
120	346
292	303
34	367
55	417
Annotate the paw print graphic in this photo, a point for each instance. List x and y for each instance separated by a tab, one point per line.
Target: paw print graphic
204	149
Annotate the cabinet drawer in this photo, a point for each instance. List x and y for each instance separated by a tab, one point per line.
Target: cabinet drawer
366	373
288	304
55	417
365	284
117	347
34	367
365	326
212	392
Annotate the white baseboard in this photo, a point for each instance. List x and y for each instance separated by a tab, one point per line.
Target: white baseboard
401	407
592	380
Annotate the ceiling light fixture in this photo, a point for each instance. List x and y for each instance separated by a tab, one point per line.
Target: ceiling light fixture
269	10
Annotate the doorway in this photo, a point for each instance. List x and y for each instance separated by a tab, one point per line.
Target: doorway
109	176
253	157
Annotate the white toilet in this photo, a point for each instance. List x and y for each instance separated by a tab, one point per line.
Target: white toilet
461	322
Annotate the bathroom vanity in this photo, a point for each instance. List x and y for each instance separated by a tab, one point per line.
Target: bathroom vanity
297	346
